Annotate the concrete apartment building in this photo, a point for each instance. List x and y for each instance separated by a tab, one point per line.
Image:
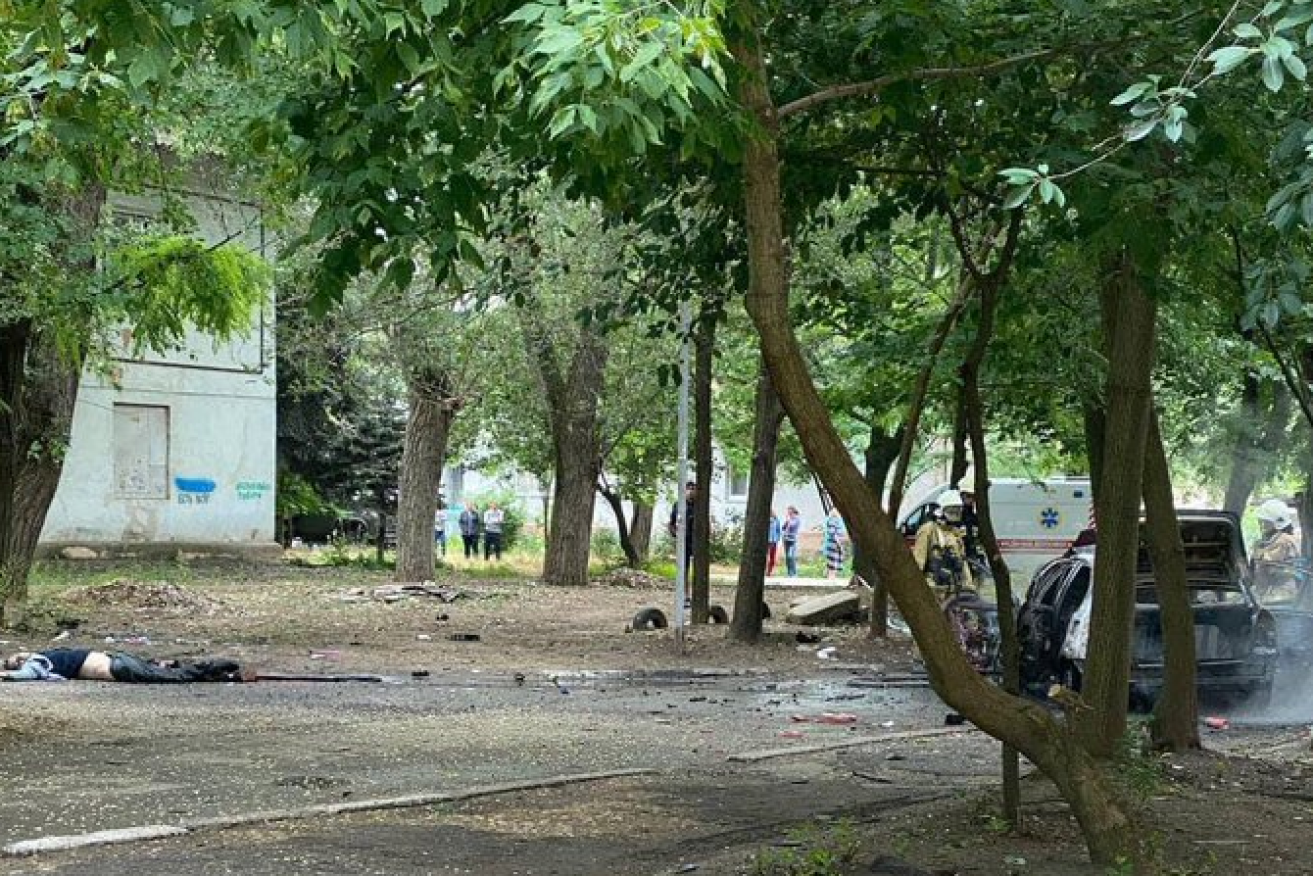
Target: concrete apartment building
176	451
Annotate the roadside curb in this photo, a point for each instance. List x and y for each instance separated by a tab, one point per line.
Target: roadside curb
770	753
25	848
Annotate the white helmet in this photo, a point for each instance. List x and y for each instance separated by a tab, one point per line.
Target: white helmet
1275	512
949	498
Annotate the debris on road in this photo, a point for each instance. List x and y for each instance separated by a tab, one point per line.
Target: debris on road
141	594
825	718
635	578
833	607
1217	723
398	592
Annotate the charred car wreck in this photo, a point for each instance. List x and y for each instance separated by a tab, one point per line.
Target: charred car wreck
1235	637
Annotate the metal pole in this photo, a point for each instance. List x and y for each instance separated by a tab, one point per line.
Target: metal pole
681	504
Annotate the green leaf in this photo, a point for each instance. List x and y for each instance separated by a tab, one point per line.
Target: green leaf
1131	94
1139	130
1273	75
1295	67
1226	59
406	52
1018	196
526	14
643	57
1247	31
433	8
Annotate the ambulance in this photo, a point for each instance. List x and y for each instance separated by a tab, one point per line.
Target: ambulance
1035	520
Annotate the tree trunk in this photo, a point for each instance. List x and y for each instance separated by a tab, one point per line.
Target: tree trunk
751	593
1175	725
881	451
572	401
1084	784
958	467
428	425
1128	317
972	414
704	340
640	530
1261	430
921	389
632	559
38	391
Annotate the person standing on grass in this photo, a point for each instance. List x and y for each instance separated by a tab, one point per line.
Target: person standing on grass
772	542
836	539
440	530
469	530
789	532
492	529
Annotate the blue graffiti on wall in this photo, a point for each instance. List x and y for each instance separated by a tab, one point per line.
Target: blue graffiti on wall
194	491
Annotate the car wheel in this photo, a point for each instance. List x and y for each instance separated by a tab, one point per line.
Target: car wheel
650	619
716	614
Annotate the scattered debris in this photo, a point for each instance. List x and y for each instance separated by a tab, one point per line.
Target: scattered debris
953	719
326	655
635	578
825	718
75	552
398	592
419	673
827	653
142	594
1217	723
465	637
130	639
791	734
834	607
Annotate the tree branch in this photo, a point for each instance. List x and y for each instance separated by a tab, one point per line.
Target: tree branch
925	74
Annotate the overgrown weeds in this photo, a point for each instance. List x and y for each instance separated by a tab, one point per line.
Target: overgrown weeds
813	850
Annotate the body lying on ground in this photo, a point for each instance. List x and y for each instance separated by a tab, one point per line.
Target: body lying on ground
85	664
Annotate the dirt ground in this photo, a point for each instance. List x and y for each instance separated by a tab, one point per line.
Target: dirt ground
1243	806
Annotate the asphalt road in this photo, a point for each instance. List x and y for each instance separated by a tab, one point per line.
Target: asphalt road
684	749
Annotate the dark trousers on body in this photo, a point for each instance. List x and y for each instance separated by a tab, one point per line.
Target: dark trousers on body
491	545
132	669
471	546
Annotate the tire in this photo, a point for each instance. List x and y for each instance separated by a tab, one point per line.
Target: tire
716	614
650	619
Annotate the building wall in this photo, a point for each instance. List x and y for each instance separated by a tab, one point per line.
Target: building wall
176	450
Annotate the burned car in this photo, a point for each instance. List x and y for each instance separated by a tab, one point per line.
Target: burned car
1286	591
1235	637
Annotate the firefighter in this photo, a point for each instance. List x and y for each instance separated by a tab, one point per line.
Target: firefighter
940	550
1275	552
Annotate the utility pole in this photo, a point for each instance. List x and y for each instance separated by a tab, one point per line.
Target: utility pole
681	503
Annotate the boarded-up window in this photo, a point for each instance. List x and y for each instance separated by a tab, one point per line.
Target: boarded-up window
738	483
141	451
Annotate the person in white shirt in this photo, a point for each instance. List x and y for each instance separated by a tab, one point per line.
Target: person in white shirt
493	518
